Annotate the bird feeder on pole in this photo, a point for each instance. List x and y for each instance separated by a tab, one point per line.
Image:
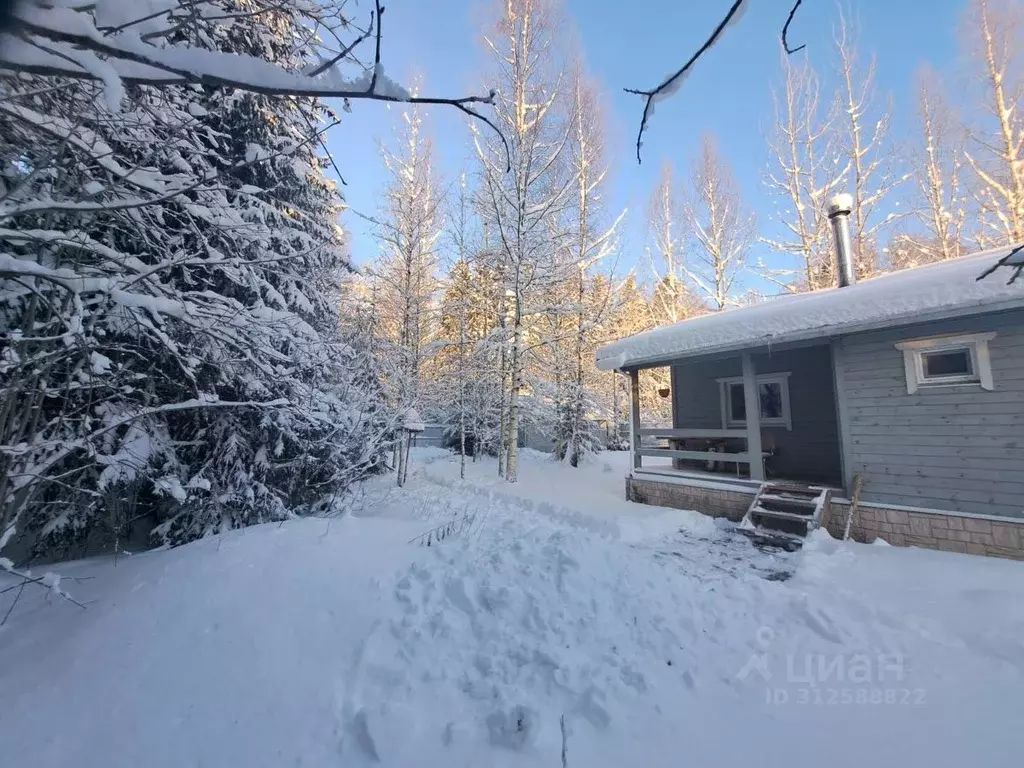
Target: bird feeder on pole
412	425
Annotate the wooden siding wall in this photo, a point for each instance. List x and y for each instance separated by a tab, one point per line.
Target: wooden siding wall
955	448
811	449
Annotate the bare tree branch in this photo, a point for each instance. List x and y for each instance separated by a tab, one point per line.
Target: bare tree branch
376	50
48	581
1013	259
785	30
347	50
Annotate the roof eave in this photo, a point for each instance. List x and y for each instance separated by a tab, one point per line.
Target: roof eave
825	332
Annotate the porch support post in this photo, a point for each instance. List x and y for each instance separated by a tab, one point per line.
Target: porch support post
634	417
842	414
753	406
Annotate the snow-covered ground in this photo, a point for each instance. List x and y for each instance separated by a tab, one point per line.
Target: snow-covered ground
650	637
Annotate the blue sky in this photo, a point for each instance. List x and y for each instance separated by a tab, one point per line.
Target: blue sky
636	44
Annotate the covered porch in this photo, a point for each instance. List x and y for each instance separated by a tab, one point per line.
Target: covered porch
742	419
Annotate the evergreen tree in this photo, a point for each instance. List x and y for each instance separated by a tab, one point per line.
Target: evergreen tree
170	280
468	391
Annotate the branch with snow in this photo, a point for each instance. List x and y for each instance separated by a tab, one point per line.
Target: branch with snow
671	84
170	342
49	581
68	41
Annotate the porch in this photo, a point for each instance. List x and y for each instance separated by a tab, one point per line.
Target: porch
741	419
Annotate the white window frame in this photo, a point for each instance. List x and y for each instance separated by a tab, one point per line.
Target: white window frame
782	379
976	345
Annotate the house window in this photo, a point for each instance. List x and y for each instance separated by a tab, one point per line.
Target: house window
773	401
948	363
945	361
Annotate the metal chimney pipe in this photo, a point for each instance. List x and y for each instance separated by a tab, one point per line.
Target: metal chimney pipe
839	210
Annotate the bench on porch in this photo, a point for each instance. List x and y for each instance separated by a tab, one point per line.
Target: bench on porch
721	449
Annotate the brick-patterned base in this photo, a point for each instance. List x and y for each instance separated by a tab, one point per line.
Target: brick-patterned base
933	530
709	501
899	527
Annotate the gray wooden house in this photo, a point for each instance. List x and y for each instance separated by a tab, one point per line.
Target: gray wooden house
911	381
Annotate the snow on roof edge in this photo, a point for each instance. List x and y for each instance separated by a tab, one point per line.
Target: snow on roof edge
924	294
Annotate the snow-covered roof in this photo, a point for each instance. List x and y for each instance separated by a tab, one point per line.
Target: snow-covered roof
935	292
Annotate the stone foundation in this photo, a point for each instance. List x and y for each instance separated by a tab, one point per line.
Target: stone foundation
709	501
996	537
950	532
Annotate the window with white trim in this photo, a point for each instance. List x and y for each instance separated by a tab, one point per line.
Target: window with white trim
772	397
947	361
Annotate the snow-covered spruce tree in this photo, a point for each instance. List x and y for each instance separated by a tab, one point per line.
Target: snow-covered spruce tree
103	342
468	384
272	463
168	283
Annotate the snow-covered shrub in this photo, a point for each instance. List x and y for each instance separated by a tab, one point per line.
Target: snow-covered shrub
576	433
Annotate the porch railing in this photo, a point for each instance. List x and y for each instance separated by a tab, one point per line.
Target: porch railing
752	456
678	434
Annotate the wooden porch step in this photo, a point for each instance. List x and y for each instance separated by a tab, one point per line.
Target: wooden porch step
784	504
802	501
798	490
762	512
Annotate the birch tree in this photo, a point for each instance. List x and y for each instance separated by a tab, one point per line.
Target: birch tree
805	169
459	230
590	241
465	386
996	146
631	314
940	200
721	228
671	300
520	203
406	273
867	148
